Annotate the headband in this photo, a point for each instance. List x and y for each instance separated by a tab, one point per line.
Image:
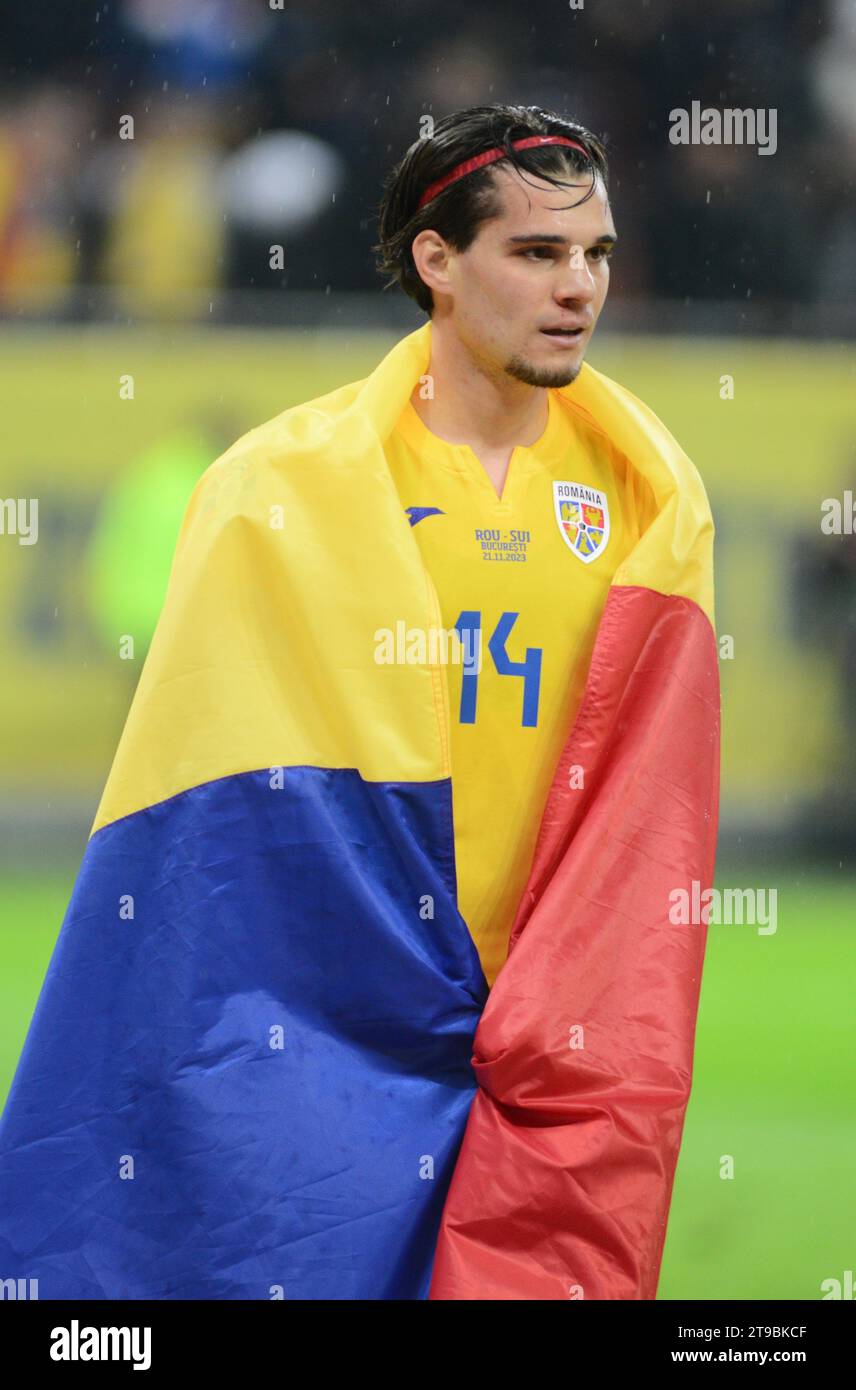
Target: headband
489	156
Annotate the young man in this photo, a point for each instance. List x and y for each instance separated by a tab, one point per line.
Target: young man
267	1060
524	507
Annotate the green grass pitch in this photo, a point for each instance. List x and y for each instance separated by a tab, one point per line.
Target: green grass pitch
772	1090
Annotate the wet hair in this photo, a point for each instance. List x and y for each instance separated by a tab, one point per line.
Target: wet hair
458	211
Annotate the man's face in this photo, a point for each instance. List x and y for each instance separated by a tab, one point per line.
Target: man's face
536	267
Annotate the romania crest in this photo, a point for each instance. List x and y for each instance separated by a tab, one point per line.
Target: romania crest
583	517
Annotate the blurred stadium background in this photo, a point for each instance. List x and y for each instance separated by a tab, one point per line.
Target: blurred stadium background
150	258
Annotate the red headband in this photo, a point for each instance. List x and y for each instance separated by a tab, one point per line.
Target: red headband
488	158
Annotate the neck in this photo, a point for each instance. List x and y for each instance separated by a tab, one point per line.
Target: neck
486	409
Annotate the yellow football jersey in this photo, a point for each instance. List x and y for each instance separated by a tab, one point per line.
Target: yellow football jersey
523	580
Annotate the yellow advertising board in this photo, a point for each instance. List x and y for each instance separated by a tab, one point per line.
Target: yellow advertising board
107	429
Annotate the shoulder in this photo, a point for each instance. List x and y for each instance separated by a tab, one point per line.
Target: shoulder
300	429
253	472
637	433
592	434
586	428
301	426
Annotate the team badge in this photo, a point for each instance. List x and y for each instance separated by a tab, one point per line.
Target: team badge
582	514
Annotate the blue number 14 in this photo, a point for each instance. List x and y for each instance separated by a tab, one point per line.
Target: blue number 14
468	628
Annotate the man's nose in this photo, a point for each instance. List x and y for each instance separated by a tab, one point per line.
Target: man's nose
575	280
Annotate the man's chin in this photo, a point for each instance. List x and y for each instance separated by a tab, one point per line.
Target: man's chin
523	369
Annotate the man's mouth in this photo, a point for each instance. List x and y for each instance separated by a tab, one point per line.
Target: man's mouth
563	335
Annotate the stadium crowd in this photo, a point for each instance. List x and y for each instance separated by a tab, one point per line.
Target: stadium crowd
262	122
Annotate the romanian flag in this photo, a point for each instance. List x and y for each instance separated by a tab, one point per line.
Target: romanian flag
265	1062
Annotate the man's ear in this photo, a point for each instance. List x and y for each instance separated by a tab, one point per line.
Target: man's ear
431	255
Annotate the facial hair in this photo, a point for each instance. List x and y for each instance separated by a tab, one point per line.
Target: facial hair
521	370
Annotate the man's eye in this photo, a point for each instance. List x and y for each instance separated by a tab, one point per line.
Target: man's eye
539	251
601	253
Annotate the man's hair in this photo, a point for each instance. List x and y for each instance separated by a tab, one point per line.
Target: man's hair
458	210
